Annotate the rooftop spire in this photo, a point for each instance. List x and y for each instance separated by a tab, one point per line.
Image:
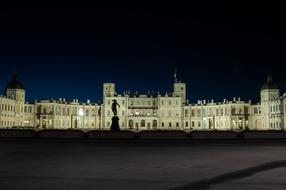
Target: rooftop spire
269	84
175	75
269	78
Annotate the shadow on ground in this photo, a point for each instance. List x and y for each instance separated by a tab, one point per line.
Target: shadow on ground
207	183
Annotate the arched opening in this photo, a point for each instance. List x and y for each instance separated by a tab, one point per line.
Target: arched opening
148	125
142	123
130	125
154	124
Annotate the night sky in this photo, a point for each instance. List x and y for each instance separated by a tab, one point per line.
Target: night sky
219	51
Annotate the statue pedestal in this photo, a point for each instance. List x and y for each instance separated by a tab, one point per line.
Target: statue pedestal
115	124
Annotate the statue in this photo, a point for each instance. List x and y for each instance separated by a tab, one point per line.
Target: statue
114	107
115	119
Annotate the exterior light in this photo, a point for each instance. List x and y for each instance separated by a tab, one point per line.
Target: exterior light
80	112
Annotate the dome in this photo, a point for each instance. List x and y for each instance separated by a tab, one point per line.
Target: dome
269	84
15	84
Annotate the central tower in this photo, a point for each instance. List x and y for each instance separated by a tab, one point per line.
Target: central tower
179	88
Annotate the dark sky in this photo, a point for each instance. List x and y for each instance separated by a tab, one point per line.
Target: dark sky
219	50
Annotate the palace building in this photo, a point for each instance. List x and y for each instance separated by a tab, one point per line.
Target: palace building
150	111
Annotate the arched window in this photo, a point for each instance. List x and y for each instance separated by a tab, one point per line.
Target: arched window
130	124
142	123
154	124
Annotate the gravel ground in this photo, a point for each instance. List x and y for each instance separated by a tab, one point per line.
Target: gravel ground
74	164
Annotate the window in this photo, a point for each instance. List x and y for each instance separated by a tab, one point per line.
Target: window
187	124
170	124
245	110
232	111
177	124
142	123
130	124
199	124
186	113
193	124
154	123
162	124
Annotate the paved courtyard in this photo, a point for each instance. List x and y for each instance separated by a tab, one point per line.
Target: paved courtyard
74	164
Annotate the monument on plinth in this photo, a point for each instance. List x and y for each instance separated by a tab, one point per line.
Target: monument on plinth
115	118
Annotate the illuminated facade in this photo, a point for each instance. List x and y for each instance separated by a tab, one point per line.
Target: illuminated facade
150	111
